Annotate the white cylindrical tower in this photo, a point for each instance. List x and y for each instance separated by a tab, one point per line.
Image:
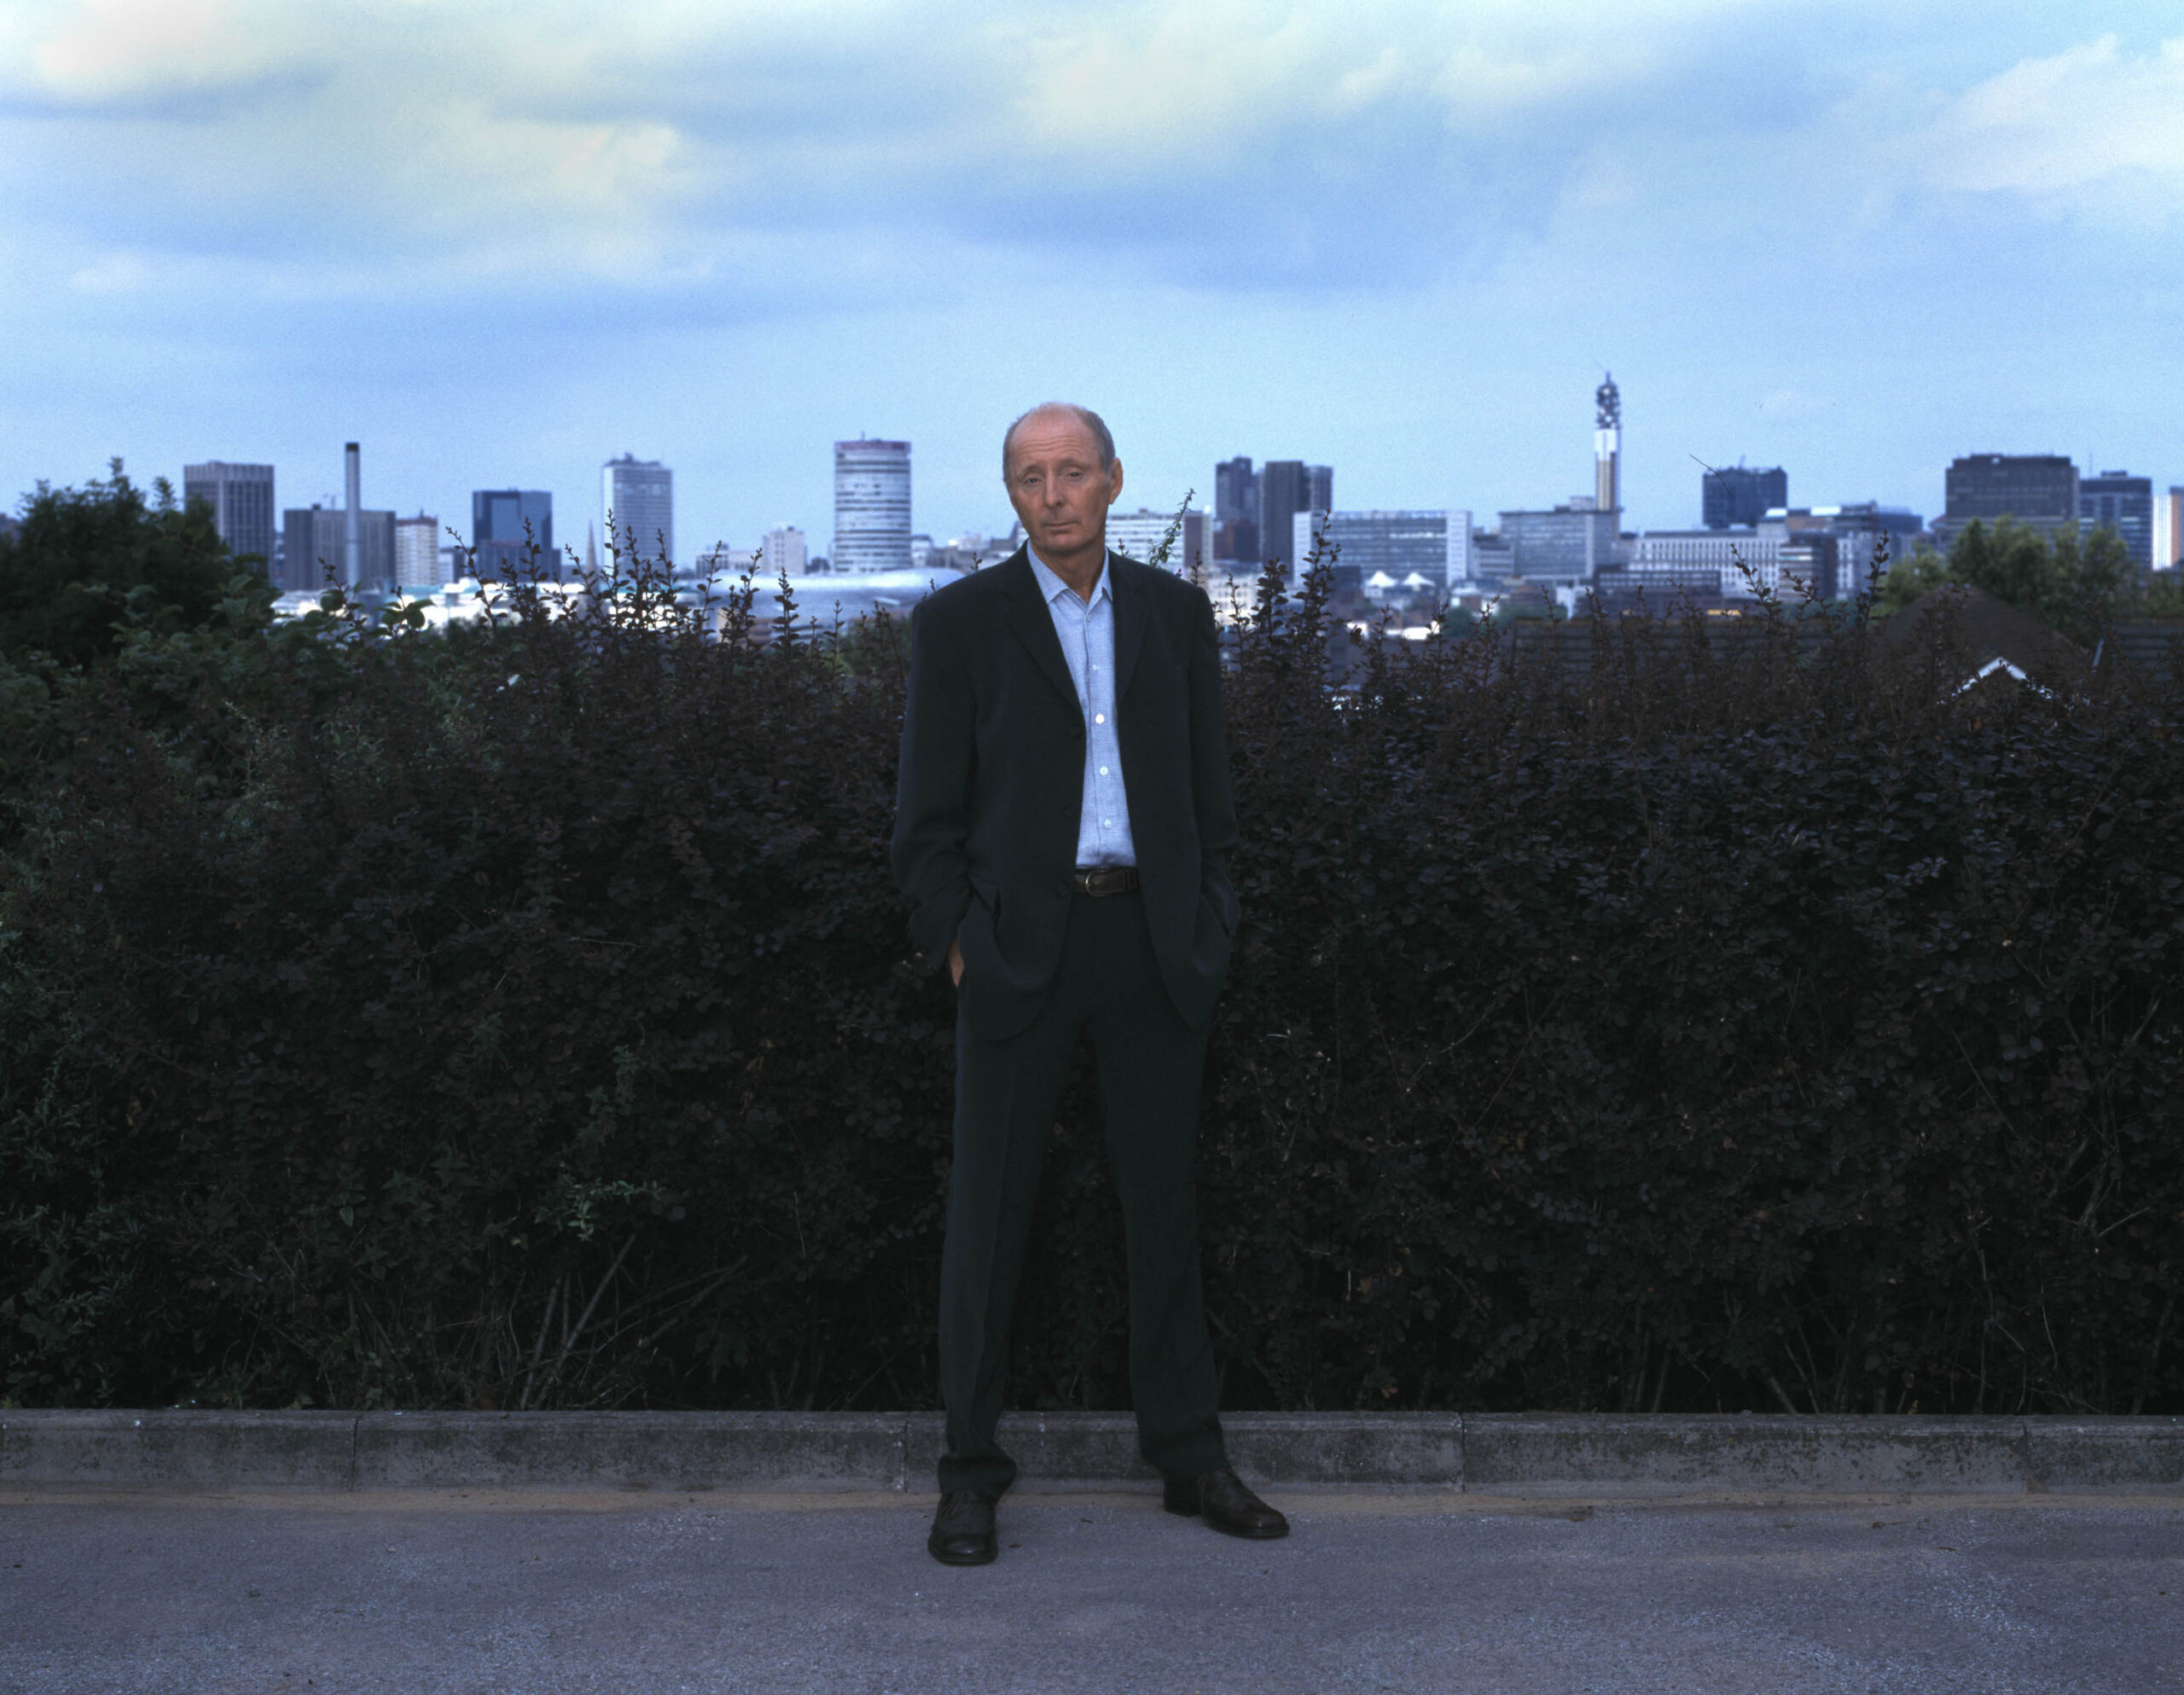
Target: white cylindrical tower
872	506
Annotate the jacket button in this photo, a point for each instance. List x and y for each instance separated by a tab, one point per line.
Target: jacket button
1062	887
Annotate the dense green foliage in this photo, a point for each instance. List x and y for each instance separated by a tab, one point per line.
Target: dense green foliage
2076	581
509	1018
90	565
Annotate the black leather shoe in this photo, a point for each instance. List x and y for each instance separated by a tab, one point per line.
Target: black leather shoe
962	1529
1222	1499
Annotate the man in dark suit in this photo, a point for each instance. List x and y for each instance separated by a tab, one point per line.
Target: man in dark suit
1063	821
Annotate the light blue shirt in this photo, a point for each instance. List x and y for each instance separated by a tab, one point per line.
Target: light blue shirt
1088	645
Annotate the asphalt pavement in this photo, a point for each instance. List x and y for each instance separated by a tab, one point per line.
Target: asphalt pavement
1395	1590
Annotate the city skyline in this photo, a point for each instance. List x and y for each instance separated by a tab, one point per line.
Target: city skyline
873	502
1857	242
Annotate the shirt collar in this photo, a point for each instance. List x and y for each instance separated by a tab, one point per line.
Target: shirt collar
1050	585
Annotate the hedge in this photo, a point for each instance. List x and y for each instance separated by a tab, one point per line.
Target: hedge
509	1018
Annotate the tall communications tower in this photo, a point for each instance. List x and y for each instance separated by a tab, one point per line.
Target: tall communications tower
1607	446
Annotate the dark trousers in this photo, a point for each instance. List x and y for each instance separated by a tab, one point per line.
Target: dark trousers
1150	1062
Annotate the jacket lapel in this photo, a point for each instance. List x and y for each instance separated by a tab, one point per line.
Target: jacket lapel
1033	624
1123	581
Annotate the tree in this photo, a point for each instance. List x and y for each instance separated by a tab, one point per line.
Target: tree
2070	580
89	563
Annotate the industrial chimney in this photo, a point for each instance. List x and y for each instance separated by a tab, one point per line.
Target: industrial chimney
352	561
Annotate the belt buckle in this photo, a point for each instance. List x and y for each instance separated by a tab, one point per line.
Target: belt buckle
1101	880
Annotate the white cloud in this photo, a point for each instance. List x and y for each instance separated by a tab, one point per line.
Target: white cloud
1784	404
119	53
2093	127
118	273
559	136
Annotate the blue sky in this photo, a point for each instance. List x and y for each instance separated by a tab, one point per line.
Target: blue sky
499	243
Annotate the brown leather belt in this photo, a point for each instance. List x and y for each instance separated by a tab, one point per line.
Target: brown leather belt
1105	880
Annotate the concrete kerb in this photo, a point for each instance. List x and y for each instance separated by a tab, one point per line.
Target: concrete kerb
1501	1454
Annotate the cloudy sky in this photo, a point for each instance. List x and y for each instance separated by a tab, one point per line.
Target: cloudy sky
499	242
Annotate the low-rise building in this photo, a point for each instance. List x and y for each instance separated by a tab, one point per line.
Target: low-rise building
315	549
1139	534
1570	543
1392	553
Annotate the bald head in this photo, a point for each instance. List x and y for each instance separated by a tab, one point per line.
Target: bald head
1059	411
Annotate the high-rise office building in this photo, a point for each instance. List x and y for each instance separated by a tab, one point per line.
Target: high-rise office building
504	526
1607	445
241	499
1287	487
1737	497
1235	510
315	548
417	553
2168	530
872	506
783	553
637	502
2038	488
2118	501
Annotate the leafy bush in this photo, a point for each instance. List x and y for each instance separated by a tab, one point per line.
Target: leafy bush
507	1017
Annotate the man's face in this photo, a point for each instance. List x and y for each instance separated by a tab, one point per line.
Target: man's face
1060	491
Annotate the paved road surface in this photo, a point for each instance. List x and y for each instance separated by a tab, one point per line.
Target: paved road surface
149	1594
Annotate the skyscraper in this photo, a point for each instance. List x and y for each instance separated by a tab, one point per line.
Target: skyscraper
637	501
503	524
241	499
2038	488
1736	497
1607	446
2168	530
2123	503
872	506
1287	487
1235	510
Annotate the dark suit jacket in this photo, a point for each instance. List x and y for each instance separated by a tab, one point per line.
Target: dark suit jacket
992	778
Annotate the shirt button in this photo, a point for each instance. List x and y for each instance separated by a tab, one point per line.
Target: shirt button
1106	823
1099	717
1103	770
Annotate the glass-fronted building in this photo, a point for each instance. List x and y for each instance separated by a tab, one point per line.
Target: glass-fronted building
504	523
